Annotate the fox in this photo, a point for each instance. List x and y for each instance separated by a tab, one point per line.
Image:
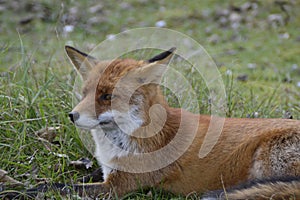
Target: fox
130	120
247	149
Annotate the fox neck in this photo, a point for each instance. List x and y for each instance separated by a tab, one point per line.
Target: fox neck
160	124
158	133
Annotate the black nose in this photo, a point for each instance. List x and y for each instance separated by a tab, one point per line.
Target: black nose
74	116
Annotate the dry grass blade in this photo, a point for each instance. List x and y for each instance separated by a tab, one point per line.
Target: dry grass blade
4	178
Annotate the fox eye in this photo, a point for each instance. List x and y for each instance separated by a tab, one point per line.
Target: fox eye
106	97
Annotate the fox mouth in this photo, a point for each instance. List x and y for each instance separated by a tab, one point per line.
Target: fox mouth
103	123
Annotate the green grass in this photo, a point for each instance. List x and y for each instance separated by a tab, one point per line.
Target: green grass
36	92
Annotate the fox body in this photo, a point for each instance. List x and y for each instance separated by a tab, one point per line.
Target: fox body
123	107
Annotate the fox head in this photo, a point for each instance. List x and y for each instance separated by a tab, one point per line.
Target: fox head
119	93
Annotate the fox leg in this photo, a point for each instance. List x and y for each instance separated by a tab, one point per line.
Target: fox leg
117	184
122	183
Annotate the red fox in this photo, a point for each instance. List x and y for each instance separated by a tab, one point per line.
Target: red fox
130	120
247	149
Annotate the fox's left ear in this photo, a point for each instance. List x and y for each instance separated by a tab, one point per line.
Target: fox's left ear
164	57
81	61
154	69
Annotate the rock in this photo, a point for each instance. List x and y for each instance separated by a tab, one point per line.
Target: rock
284	36
275	20
160	24
235	17
251	65
96	8
214	39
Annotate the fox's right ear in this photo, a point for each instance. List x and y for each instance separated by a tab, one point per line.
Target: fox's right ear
82	62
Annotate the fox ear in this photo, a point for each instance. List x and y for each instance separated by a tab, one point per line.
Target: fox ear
164	57
152	72
82	62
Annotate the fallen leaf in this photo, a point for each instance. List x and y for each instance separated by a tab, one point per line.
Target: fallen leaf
4	178
48	133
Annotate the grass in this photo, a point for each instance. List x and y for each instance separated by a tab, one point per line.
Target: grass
35	87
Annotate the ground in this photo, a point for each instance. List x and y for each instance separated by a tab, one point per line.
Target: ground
254	44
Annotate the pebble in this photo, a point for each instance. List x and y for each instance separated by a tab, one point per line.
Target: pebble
160	24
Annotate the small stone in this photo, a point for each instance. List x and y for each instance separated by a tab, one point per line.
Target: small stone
251	65
95	9
206	13
246	6
235	17
228	72
284	36
222	12
68	28
160	24
125	6
294	66
214	39
111	37
2	8
275	20
208	30
223	21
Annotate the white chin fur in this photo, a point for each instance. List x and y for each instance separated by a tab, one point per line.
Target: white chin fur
86	122
126	122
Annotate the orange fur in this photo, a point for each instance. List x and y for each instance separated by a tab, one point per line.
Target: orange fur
247	149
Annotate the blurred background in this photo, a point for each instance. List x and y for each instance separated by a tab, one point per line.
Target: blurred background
244	34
